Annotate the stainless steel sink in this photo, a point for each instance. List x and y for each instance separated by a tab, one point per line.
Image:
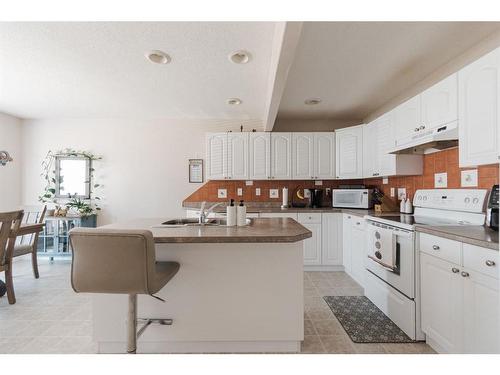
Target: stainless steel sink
175	223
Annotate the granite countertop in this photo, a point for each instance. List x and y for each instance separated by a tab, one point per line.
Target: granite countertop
268	230
478	235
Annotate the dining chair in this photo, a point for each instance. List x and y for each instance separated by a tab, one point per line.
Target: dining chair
27	243
10	223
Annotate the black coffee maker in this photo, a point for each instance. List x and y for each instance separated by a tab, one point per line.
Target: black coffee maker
315	198
492	211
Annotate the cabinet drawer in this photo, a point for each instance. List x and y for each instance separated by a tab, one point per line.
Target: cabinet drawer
358	222
310	218
441	248
481	260
291	215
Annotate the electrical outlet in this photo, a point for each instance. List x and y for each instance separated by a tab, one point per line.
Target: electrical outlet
274	193
385	180
240	192
222	193
257	191
469	178
401	193
318	183
393	192
440	180
327	191
249	183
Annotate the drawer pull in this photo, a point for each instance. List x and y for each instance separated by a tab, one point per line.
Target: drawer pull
490	263
435	247
465	274
358	223
455	270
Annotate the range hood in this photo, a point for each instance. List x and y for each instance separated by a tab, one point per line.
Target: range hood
429	141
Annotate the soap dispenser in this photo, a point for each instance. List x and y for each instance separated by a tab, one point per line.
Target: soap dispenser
408	206
242	215
231	214
402	205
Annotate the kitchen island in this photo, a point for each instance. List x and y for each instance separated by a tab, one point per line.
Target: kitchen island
239	289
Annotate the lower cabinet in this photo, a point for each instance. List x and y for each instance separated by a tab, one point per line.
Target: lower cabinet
460	302
354	247
331	235
312	246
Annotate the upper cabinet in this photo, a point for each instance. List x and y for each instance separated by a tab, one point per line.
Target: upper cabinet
227	155
281	156
313	156
479	103
440	103
216	146
349	152
408	120
260	155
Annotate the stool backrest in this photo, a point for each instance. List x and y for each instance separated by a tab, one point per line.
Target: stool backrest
9	225
112	260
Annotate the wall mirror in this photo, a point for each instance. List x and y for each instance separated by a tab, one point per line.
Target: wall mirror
72	176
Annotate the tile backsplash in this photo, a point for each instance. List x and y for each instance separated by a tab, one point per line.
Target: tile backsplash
439	162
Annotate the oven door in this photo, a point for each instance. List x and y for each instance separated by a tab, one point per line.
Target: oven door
348	198
402	277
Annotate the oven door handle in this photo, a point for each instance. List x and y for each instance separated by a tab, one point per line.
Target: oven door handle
390	269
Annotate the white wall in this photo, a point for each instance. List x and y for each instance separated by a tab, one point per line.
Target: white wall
10	175
144	171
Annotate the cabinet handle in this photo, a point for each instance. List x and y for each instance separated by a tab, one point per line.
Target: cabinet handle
422	127
490	263
416	129
435	247
358	223
465	274
455	270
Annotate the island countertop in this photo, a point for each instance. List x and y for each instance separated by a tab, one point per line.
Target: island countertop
265	230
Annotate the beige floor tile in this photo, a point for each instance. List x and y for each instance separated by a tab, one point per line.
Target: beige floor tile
369	348
411	348
319	313
315	275
312	344
309	328
328	327
340	344
41	345
311	292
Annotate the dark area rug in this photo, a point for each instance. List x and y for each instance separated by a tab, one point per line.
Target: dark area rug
364	322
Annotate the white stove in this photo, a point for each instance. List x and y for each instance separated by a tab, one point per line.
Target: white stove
392	262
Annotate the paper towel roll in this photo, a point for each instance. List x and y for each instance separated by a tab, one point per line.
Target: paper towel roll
284	195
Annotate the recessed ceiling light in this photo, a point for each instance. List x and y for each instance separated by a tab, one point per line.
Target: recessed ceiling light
234	101
240	57
312	101
158	57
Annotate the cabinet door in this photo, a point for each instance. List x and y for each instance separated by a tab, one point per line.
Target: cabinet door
349	152
331	244
281	156
407	120
324	156
237	156
302	156
479	103
260	156
216	156
386	142
312	245
481	313
441	302
358	251
440	103
370	149
346	242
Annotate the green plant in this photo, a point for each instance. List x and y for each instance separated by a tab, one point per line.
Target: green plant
85	207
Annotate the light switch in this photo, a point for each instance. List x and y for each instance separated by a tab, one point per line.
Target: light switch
222	193
249	183
440	180
469	178
385	180
401	193
240	192
393	192
274	193
257	191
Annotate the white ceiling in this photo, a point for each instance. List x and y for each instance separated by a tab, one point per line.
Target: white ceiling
356	67
85	70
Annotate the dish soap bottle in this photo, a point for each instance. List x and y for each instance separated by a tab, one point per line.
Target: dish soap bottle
242	215
402	205
231	214
408	206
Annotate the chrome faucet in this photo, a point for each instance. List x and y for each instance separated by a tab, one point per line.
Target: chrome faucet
204	213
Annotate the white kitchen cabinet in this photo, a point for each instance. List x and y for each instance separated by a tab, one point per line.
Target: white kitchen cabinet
281	156
440	103
370	152
312	245
349	152
358	250
347	242
331	244
324	156
260	156
479	105
302	156
407	119
216	146
441	302
237	156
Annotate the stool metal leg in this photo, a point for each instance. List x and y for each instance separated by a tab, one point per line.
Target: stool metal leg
132	324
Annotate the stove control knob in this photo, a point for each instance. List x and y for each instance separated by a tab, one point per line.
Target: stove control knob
425	198
467	200
475	200
377	235
378	246
378	254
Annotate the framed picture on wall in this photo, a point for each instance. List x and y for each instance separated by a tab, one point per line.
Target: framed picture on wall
196	171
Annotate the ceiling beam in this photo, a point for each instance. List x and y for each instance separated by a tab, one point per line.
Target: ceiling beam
285	41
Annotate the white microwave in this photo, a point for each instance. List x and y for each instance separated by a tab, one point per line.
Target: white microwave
352	198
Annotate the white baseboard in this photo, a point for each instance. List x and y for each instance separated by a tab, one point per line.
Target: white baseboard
323	268
204	347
